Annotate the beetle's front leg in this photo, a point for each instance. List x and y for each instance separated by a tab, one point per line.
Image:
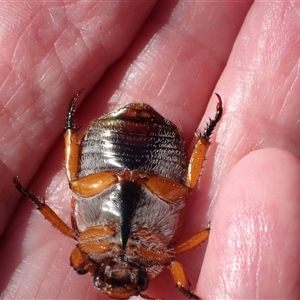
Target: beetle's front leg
202	144
71	142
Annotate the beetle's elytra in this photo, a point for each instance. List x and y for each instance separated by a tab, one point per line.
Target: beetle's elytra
130	177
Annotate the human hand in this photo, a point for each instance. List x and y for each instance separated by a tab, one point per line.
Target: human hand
176	54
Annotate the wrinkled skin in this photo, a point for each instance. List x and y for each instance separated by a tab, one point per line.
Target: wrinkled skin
172	56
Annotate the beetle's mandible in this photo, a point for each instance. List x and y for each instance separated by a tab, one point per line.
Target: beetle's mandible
130	177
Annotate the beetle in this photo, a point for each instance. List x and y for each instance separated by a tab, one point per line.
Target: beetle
130	177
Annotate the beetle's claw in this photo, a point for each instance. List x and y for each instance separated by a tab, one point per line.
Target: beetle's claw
210	126
71	111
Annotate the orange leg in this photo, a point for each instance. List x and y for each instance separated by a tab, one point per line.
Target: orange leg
71	142
200	149
193	242
89	185
159	255
87	243
48	213
96	246
162	258
165	188
71	154
100	231
181	281
81	262
93	184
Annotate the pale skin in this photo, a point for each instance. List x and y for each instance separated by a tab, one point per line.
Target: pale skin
174	61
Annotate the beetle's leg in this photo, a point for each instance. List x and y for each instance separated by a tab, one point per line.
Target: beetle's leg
158	254
150	298
165	188
99	231
96	246
181	280
200	149
93	184
162	258
71	141
48	213
81	263
194	241
79	260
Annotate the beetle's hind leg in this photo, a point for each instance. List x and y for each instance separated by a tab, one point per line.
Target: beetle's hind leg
48	213
202	144
71	142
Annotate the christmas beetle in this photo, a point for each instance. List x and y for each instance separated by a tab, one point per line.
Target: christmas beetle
130	177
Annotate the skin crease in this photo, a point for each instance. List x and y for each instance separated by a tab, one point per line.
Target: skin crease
172	55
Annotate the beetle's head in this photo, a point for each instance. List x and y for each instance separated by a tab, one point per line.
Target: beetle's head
121	280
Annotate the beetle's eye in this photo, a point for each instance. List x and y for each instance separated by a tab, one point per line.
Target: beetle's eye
143	280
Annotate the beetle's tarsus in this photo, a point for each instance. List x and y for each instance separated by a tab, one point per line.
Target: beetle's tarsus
150	298
188	294
71	111
27	194
210	126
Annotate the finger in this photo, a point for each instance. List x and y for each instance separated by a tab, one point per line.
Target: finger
260	88
253	251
